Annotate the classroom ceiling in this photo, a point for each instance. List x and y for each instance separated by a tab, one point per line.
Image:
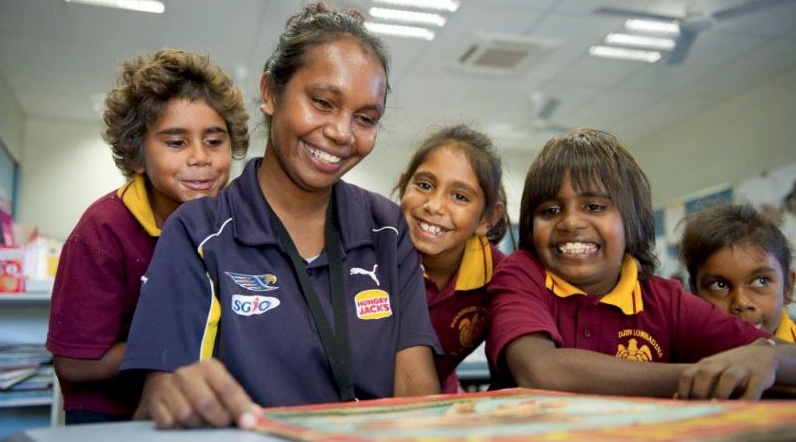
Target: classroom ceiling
60	58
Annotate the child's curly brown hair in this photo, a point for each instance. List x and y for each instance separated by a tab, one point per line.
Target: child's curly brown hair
145	86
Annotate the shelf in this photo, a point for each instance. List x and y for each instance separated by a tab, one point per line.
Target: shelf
24	319
26	297
36	290
26	398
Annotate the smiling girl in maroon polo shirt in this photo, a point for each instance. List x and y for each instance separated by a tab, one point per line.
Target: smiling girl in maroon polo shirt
454	204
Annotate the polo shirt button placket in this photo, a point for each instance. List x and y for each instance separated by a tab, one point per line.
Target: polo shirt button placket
587	333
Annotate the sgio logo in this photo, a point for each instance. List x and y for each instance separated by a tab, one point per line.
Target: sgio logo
253	305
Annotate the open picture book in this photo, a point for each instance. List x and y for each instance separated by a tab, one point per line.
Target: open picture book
523	414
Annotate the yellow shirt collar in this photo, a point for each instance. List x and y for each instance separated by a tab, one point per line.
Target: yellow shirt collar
626	295
786	329
475	270
133	195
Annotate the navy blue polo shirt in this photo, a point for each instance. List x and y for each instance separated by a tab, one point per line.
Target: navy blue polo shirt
221	285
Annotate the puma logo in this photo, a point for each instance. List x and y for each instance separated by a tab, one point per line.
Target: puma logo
371	273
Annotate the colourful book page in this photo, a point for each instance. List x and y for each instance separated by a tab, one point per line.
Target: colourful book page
523	414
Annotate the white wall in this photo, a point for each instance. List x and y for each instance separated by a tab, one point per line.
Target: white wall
65	166
742	137
745	136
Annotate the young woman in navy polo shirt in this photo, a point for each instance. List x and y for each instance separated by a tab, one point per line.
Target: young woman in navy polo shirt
454	204
292	286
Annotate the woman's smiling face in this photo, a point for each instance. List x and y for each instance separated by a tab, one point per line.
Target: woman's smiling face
325	120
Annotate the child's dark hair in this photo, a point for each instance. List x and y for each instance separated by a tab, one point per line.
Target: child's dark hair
483	159
712	229
144	88
316	25
593	158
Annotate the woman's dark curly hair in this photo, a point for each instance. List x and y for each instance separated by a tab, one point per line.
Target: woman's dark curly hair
144	88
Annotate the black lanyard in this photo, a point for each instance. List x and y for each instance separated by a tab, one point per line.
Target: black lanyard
336	345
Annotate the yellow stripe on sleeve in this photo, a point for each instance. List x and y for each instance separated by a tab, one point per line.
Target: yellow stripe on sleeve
211	326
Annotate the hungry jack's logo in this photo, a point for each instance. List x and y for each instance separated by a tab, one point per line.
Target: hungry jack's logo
373	304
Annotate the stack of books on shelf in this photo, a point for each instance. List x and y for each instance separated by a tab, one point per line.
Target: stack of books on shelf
26	373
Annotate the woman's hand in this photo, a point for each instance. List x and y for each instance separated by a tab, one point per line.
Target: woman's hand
200	394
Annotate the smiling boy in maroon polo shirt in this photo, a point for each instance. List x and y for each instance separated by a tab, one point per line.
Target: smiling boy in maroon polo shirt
577	307
174	122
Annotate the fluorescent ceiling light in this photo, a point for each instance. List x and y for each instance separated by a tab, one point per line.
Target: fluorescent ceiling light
408	16
625	54
400	31
640	41
154	6
662	27
439	5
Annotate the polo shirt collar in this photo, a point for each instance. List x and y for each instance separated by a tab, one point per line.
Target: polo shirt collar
786	329
626	295
134	196
475	270
252	214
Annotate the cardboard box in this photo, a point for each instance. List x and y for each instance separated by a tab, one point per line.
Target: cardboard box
12	278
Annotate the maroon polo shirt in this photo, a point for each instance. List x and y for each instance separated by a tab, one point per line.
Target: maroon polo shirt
94	296
459	311
667	325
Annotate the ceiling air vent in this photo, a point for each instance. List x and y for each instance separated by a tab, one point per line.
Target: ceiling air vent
501	54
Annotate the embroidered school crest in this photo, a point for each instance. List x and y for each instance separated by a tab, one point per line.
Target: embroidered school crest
470	323
638	346
633	352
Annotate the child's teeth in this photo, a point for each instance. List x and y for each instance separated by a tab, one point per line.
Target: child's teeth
434	230
577	248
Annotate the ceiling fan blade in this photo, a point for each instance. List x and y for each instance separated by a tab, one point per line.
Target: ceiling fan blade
682	47
746	8
634	13
548	109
